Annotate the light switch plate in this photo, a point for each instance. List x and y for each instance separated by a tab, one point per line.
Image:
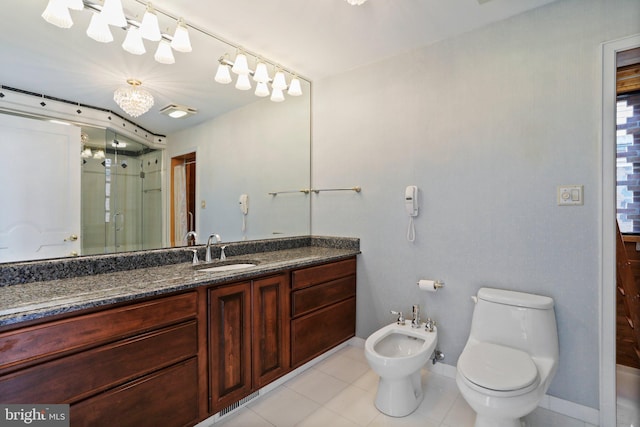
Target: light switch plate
570	195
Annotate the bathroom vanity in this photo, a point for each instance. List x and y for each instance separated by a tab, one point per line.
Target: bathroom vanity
171	344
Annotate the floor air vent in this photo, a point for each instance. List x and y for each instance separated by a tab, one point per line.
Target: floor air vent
238	404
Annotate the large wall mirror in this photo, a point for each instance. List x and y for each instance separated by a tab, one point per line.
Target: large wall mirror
236	145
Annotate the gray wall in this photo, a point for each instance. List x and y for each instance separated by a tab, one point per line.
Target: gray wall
487	124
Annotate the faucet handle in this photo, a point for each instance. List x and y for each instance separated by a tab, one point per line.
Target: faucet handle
223	256
429	325
400	320
195	260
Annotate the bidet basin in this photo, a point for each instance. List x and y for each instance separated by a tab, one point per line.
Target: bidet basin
220	266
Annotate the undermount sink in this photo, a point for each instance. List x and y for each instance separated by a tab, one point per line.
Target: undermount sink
225	266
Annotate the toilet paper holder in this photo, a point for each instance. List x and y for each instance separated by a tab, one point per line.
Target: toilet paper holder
430	285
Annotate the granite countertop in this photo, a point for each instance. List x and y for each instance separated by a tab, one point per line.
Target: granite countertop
40	299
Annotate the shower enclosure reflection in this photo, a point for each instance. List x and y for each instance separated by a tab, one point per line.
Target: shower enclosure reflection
121	194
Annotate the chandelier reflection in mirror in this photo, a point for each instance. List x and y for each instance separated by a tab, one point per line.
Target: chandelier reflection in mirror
240	67
112	14
132	99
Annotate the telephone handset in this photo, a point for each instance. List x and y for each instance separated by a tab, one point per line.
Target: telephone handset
244	204
411	200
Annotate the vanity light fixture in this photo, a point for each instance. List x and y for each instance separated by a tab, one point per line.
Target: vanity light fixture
260	75
112	13
132	99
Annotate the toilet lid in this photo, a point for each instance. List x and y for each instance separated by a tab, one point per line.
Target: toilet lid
497	367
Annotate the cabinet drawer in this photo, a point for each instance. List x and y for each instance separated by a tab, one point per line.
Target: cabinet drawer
312	298
65	336
323	273
166	398
322	330
78	376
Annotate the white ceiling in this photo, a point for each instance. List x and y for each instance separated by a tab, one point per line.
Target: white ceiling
314	38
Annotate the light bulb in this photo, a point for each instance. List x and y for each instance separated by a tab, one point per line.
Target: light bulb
133	42
277	95
294	87
181	41
279	81
240	66
57	13
262	89
261	75
149	28
243	82
99	30
222	75
164	55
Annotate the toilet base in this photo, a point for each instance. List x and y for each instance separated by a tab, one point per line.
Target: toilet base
398	397
484	421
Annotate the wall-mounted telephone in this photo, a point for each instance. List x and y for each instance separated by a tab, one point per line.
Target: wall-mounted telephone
244	204
411	200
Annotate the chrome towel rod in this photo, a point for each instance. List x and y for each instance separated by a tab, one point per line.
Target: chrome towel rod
304	190
357	189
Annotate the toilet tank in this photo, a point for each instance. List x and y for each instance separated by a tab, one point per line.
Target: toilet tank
516	319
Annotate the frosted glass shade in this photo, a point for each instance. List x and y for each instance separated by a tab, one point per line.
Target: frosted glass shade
240	65
262	89
278	81
133	42
57	13
149	28
277	95
99	30
181	41
223	75
261	74
164	55
113	13
294	87
75	4
243	82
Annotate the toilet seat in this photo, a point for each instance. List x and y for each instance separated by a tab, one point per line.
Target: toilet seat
497	368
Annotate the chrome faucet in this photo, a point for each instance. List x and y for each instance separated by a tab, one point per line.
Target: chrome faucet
415	322
207	257
190	234
223	256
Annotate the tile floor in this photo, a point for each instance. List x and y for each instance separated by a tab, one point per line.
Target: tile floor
340	390
628	391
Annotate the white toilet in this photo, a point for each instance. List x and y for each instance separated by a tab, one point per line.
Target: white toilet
510	357
397	353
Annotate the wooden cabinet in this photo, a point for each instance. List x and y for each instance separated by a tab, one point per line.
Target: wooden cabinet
123	362
248	338
323	309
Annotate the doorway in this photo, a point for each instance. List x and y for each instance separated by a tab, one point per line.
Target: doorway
608	232
183	199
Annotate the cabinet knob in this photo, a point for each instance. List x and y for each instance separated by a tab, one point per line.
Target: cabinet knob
71	238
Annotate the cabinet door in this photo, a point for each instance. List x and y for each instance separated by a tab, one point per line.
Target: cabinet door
270	329
230	344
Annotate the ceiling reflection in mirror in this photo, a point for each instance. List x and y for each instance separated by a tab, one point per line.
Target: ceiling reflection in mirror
244	144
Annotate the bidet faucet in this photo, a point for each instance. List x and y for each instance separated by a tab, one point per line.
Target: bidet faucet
415	322
207	257
429	326
400	320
